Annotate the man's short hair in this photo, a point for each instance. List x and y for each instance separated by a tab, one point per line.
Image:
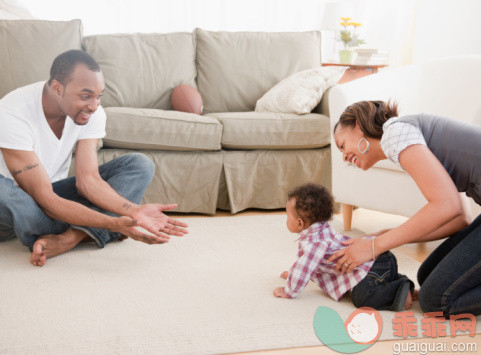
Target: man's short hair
314	203
64	65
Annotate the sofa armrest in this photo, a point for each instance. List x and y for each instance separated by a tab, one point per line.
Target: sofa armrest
323	107
400	84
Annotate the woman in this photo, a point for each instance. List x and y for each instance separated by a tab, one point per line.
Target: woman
443	156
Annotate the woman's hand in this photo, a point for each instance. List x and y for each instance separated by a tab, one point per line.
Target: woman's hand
358	252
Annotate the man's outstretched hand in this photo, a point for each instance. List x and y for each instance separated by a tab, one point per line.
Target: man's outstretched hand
152	218
128	227
155	226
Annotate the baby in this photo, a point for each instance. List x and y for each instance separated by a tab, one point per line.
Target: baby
376	284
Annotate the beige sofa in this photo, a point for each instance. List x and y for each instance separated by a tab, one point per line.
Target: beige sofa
230	157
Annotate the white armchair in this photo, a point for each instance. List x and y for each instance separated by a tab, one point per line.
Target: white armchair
450	87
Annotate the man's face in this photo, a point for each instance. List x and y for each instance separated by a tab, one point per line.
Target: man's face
80	97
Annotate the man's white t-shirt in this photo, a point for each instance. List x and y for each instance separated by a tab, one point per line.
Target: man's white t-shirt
23	126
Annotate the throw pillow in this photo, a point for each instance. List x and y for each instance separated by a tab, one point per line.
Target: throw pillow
300	93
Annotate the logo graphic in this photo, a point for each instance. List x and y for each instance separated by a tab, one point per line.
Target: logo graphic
361	329
363	326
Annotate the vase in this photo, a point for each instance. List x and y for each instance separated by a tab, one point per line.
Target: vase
346	56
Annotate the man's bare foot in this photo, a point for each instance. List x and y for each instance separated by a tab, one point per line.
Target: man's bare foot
409	301
51	245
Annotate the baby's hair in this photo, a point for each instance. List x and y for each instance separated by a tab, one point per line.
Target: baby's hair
314	203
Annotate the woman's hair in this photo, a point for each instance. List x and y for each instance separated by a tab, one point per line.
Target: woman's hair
314	203
369	115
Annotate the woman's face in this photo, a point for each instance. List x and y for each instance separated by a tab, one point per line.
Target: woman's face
347	140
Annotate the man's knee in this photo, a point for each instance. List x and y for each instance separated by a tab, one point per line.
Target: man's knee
16	205
140	162
6	233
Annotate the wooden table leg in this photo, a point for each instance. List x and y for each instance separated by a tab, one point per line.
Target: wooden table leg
347	216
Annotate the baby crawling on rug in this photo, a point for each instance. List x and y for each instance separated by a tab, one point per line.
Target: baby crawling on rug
376	283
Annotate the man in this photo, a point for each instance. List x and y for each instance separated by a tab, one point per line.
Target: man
50	213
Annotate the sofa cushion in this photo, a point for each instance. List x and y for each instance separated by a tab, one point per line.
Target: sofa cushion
141	70
133	128
236	68
261	130
29	47
300	93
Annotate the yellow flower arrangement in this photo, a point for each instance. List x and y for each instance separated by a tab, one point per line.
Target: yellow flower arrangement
349	35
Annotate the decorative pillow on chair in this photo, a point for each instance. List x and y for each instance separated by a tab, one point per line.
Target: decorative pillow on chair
301	92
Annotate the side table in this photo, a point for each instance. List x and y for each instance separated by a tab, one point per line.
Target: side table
356	71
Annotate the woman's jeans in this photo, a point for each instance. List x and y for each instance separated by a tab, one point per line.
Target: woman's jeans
20	215
450	277
383	287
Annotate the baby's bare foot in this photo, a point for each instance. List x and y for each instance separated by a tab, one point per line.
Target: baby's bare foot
51	245
415	295
409	302
285	274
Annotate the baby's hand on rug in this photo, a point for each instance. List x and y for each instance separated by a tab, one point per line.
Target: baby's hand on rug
279	292
285	274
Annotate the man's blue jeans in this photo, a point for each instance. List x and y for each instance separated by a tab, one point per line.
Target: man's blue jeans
450	277
20	215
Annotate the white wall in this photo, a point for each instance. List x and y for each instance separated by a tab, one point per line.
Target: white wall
446	27
125	16
388	25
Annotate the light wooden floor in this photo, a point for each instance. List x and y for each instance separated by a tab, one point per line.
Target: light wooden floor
369	221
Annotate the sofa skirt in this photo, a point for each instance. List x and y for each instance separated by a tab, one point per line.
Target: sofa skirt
201	182
262	178
190	179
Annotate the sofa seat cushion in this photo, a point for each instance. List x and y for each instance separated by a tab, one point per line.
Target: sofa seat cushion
141	70
267	130
134	128
28	48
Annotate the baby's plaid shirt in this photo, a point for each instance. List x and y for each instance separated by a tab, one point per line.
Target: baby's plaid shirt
316	245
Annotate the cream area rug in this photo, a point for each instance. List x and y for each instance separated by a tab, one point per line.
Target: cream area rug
208	292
